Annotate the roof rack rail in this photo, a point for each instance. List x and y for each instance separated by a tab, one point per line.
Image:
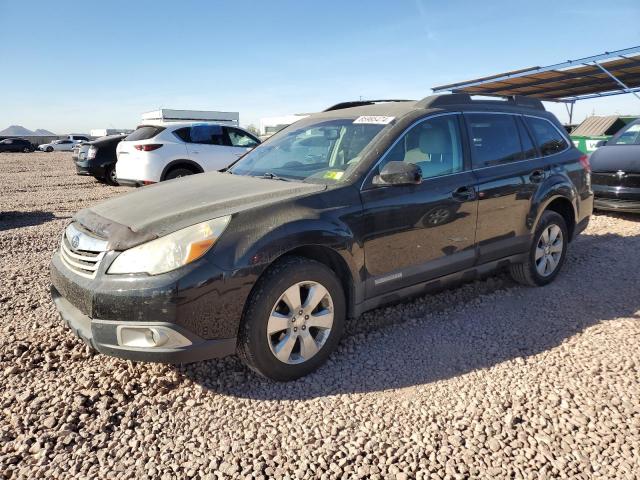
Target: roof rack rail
434	101
359	103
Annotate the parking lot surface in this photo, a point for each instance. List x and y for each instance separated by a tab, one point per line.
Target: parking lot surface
487	380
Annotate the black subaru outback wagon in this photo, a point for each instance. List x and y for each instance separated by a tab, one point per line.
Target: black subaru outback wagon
349	209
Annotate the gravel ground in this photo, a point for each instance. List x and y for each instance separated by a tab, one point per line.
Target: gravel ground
488	380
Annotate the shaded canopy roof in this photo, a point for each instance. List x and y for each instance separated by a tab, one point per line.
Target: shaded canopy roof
569	81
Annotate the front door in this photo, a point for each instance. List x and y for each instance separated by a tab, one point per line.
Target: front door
210	148
415	233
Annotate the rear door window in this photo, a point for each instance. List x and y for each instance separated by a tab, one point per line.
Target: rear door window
494	139
547	136
207	134
144	133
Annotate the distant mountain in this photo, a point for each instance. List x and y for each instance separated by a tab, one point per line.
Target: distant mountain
20	131
43	133
16	130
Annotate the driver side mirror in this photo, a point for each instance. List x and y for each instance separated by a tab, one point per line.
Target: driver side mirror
399	173
601	143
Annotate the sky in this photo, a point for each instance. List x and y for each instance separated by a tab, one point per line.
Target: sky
73	66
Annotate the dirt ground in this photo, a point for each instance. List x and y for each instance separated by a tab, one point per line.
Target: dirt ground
487	380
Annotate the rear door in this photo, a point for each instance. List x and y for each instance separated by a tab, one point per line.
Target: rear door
210	147
415	233
509	173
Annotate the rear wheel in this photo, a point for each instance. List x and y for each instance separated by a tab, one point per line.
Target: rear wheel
26	150
547	253
178	172
110	175
294	320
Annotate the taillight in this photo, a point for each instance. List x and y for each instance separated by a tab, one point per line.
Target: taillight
584	161
148	147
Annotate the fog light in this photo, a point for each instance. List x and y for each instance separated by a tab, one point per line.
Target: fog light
150	337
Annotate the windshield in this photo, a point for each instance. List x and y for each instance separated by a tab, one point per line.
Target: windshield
630	136
321	152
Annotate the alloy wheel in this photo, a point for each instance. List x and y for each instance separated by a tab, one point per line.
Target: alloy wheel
300	322
549	250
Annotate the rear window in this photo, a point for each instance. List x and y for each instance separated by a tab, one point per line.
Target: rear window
547	136
143	133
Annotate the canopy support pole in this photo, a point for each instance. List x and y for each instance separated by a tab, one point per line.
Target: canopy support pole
569	107
619	82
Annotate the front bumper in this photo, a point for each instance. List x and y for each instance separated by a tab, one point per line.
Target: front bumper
102	336
616	199
195	304
617	205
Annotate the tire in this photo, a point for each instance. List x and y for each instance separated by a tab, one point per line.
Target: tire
177	173
544	269
49	149
26	150
258	349
110	176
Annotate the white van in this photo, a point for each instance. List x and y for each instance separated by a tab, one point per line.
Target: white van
153	153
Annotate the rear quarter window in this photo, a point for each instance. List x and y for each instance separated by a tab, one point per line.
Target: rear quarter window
547	136
144	133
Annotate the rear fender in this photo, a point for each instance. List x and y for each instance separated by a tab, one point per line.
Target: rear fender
557	186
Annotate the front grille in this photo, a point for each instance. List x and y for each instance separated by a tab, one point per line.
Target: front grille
616	179
85	258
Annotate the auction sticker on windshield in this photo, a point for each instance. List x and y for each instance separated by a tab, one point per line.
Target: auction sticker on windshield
375	119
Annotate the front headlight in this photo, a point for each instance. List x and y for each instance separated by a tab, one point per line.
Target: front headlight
171	251
91	154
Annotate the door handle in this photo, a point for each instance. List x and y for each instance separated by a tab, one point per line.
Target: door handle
537	176
464	193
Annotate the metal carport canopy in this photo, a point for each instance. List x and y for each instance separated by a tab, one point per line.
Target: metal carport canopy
610	73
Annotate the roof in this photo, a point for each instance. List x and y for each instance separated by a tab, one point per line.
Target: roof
568	81
594	126
398	109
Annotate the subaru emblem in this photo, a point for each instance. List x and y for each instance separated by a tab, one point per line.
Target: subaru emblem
620	174
75	241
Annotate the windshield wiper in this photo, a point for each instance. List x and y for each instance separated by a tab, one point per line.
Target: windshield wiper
273	176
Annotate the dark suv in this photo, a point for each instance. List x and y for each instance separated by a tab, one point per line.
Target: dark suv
342	212
16	145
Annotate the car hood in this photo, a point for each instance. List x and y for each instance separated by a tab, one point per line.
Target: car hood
612	158
157	210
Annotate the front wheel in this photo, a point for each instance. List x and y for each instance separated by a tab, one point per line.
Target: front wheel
547	253
49	149
26	150
294	320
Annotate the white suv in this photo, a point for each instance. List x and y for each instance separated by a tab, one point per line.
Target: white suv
153	153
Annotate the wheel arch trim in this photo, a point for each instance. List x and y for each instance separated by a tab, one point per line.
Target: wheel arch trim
181	161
